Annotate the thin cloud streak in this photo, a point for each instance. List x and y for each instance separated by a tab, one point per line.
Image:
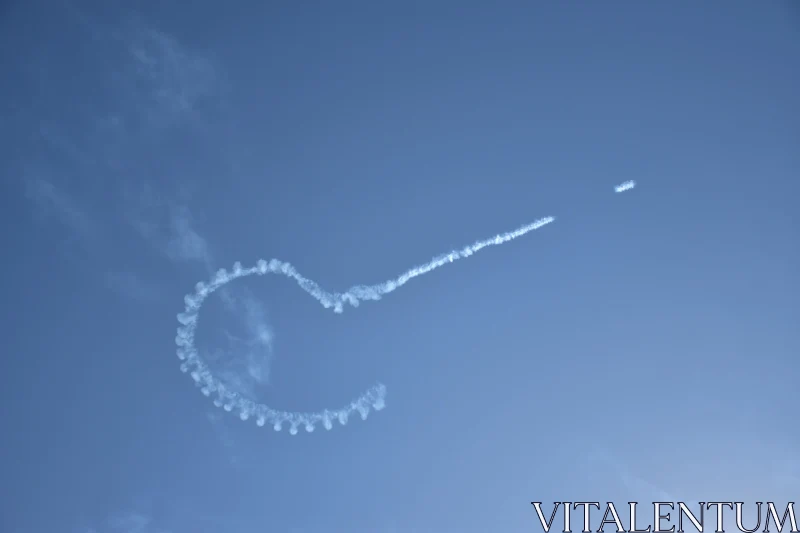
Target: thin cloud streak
53	202
85	236
132	286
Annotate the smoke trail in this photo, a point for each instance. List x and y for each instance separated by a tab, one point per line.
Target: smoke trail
374	397
622	187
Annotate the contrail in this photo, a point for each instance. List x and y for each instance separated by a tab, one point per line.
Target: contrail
374	397
622	187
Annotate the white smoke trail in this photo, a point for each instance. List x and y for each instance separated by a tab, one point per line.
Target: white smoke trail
373	398
626	186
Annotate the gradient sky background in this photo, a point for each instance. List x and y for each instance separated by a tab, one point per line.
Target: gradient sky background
644	343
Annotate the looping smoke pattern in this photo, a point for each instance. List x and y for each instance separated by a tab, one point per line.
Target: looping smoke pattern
374	397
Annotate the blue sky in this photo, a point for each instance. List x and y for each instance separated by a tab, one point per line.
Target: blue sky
644	343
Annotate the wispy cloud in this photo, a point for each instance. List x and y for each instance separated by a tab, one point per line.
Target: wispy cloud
84	236
259	338
131	285
786	474
166	224
50	201
782	477
178	80
127	522
635	484
225	436
154	85
184	243
131	523
186	518
158	82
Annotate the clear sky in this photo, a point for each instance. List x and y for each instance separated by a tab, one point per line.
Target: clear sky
644	343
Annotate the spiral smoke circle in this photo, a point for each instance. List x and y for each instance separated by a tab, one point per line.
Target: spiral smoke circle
373	398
